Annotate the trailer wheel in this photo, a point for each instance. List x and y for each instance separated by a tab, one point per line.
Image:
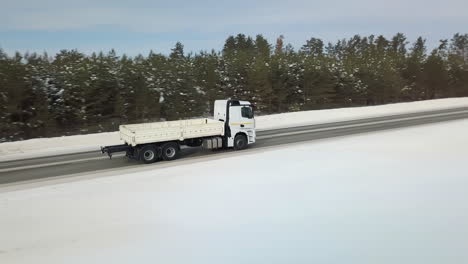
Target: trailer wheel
240	142
170	151
149	154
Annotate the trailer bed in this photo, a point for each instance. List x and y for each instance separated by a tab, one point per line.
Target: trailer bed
136	134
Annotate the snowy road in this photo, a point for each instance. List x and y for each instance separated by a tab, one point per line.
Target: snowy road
59	166
387	197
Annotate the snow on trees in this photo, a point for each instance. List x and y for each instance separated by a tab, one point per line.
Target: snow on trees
72	93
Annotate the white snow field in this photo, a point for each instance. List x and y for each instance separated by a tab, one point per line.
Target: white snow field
398	196
71	144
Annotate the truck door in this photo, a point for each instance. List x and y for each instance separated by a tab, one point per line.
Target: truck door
241	119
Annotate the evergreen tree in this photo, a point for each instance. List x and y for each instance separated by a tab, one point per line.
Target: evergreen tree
38	68
4	97
259	76
293	73
18	98
318	88
458	65
238	54
146	98
279	77
414	71
435	74
70	86
182	94
207	78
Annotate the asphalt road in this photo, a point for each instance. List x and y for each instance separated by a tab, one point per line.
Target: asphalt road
53	166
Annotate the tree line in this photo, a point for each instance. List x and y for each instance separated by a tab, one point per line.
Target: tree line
74	93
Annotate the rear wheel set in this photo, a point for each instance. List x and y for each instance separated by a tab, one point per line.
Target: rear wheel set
153	153
149	154
170	151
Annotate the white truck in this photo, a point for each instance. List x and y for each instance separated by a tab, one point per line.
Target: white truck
233	126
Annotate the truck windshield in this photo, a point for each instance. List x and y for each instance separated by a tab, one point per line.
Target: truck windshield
247	112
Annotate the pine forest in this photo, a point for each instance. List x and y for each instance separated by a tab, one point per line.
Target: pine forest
69	93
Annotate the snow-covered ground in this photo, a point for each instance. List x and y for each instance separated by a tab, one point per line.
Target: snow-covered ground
70	144
390	197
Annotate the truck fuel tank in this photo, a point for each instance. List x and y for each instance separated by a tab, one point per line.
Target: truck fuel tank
212	143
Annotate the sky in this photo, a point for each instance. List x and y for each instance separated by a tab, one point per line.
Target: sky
138	26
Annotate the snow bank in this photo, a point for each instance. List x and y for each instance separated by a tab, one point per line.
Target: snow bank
343	114
70	144
56	146
388	197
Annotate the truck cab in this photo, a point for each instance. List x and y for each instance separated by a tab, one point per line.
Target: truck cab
239	122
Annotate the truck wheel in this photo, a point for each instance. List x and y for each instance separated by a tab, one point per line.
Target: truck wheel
240	142
149	154
170	151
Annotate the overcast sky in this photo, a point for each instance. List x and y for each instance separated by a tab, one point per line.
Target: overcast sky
137	26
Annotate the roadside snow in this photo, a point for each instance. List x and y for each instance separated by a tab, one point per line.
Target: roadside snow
390	197
56	146
343	114
81	143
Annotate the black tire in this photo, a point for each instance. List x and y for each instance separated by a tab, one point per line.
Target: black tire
240	142
149	154
170	151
